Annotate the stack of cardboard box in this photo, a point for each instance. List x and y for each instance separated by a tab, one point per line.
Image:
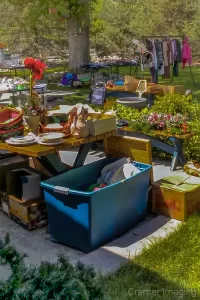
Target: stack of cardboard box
21	195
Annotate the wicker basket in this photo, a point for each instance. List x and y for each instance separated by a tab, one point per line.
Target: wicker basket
11	133
11	123
10	117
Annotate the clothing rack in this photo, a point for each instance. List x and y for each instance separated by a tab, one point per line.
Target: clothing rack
171	37
162	37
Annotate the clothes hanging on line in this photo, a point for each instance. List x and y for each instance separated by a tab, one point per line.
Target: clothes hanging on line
165	52
175	69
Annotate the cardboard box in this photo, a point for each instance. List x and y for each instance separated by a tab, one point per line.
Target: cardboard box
8	164
101	124
174	89
24	184
178	202
5	202
31	214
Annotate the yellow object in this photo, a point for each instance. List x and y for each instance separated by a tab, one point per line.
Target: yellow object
116	88
130	83
142	87
134	148
101	123
31	85
176	202
173	89
21	209
155	89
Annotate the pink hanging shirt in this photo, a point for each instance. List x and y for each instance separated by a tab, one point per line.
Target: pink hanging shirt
186	53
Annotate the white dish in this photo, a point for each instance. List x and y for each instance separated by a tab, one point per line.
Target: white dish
22	140
52	137
11	143
54	126
50	144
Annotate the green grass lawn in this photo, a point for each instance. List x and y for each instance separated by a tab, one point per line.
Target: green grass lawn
185	78
165	270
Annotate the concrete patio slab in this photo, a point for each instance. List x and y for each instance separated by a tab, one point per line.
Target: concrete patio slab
110	257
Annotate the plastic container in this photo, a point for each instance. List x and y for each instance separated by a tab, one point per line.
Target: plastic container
86	220
133	102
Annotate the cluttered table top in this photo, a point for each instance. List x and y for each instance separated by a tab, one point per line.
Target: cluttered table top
38	150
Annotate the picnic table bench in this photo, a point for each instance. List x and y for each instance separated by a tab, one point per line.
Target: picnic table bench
177	141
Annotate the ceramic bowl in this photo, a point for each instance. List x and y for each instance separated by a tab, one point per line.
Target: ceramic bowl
53	137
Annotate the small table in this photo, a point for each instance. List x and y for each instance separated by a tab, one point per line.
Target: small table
13	92
18	70
48	156
177	140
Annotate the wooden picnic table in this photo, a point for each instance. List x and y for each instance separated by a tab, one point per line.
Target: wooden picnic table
48	156
177	140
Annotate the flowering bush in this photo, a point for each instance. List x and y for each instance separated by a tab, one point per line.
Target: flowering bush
173	124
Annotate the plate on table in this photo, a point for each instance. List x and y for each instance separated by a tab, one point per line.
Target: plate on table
50	143
21	141
54	137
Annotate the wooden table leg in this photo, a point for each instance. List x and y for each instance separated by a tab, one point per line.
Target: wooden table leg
53	164
82	155
178	155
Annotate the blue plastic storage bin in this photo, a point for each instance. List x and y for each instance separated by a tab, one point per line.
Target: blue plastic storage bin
87	221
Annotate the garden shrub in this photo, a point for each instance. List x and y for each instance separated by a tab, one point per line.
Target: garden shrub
124	112
48	281
172	104
185	105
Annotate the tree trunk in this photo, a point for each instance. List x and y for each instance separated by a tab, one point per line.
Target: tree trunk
78	38
2	57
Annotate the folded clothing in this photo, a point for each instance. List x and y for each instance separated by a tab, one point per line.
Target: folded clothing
117	171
